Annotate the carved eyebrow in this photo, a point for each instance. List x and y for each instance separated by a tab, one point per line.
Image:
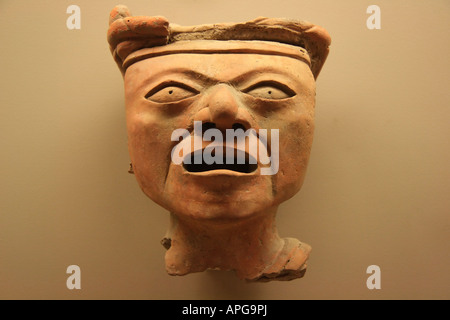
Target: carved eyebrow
187	73
198	77
184	74
201	79
244	79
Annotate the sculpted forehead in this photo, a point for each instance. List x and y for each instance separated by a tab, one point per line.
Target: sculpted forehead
230	68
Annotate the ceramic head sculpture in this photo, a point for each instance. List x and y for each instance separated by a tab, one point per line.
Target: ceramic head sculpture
220	122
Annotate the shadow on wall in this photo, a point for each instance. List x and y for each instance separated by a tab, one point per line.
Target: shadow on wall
226	285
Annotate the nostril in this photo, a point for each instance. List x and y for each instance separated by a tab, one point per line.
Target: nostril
238	126
208	125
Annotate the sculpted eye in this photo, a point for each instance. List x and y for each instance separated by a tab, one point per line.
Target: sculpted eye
270	90
170	92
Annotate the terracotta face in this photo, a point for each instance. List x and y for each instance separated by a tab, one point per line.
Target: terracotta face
225	91
187	91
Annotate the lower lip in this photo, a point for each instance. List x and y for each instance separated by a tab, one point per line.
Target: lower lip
220	172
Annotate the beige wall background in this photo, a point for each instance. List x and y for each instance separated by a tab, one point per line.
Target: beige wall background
376	192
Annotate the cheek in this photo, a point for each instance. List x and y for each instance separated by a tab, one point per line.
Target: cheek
144	134
297	140
296	137
149	147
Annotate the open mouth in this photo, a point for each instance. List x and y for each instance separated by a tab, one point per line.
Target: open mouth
242	163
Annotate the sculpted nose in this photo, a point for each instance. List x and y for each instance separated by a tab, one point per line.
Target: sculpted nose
223	106
223	109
